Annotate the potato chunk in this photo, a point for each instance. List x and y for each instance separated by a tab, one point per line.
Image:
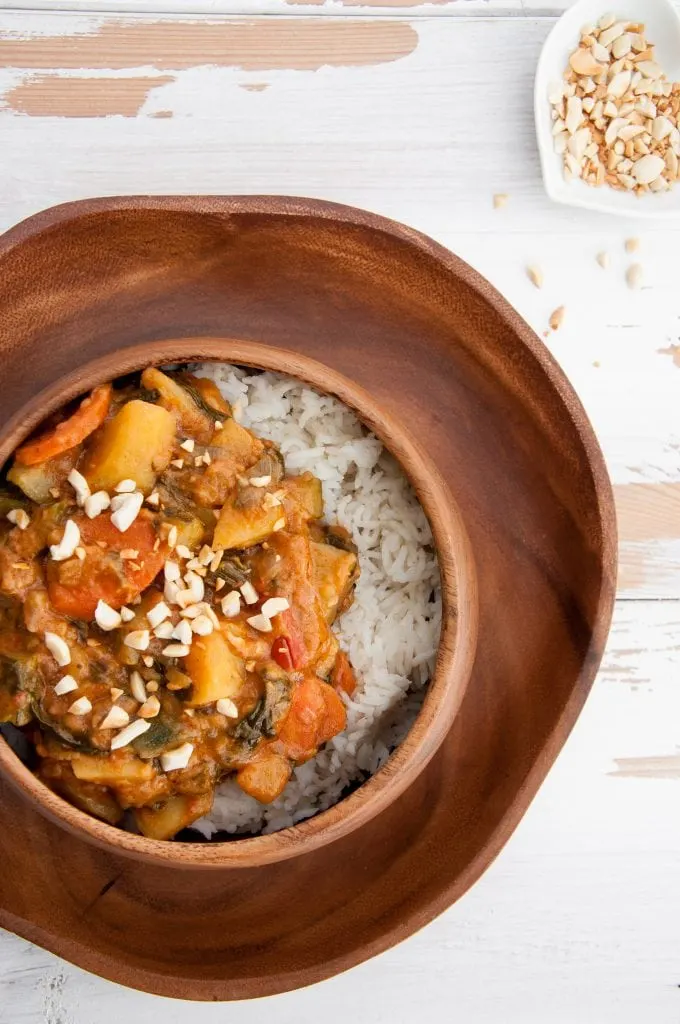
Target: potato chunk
182	401
306	491
214	669
37	481
168	819
244	527
135	445
107	771
265	779
89	797
190	532
334	574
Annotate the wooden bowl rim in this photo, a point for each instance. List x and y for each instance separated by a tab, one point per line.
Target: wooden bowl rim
457	640
450	885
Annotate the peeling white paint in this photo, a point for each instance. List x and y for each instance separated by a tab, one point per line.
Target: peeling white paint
48	22
436	166
326	8
587	888
643	651
333	8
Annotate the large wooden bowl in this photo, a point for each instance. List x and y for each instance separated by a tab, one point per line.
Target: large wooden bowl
456	643
438	350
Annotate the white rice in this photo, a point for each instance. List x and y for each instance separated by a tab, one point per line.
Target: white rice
392	629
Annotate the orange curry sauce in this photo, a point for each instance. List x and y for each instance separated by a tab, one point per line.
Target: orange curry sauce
166	599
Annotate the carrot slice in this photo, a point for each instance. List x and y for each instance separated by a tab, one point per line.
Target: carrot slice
334	718
342	675
90	414
102	573
316	714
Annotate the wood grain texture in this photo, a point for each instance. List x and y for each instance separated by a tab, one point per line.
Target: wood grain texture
457	564
327	9
293	44
425	336
55	96
649	522
320	8
599	850
435	166
664	767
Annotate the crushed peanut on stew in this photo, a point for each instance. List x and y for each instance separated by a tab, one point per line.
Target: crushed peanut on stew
166	599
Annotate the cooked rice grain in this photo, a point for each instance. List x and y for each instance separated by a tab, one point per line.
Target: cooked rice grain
392	629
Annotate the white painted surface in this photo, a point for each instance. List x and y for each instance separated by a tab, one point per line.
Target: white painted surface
320	8
576	923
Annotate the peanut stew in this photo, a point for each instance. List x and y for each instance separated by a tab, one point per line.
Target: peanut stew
167	593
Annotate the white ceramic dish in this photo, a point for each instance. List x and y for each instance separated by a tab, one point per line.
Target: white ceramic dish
662	27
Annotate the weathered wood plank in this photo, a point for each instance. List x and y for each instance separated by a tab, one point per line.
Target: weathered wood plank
426	136
310	106
314	8
585	889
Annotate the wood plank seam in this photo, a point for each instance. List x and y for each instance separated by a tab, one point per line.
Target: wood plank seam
166	8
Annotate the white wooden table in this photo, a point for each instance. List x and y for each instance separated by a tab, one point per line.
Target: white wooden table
421	112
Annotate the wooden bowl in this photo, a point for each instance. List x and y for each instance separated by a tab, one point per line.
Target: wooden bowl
440	351
459	611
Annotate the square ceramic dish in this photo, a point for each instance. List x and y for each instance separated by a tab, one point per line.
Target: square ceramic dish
663	29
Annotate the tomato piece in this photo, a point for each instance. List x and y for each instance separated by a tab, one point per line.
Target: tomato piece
342	675
102	573
90	414
316	714
281	653
295	639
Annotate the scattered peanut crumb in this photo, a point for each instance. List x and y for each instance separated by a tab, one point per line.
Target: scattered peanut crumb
557	318
500	200
632	244
535	275
634	276
603	259
597	363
